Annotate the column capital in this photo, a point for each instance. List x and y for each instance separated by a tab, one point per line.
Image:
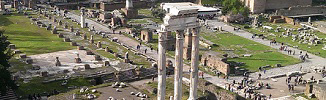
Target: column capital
179	34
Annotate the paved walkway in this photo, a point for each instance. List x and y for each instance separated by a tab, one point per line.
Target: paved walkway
313	61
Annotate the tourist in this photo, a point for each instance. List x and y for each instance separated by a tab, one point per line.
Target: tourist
270	96
153	78
306	55
264	71
293	52
145	51
300	52
259	76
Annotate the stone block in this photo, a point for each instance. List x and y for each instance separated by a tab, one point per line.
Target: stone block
22	56
73	44
44	74
29	61
97	58
80	48
12	46
106	63
99	45
78	60
87	66
17	52
66	40
88	52
107	49
60	35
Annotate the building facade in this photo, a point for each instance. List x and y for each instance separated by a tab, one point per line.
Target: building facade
260	6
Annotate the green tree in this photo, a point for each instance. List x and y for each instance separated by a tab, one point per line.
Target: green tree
234	7
158	13
5	54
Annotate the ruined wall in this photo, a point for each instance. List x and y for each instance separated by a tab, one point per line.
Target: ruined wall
216	63
302	10
119	5
259	6
319	91
280	4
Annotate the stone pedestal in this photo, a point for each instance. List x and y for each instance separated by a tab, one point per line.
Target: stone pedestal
78	60
107	63
71	29
73	44
80	48
60	35
87	66
88	52
99	45
84	36
66	40
12	46
97	58
23	56
107	49
130	13
77	33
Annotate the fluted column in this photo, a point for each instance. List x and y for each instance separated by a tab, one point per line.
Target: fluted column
161	66
178	65
194	64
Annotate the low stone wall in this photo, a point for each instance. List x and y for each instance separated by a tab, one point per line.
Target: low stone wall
302	10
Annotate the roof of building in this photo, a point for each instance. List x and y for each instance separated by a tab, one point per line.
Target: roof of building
191	5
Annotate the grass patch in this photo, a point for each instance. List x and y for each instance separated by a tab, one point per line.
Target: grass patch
170	89
37	86
29	38
304	96
317	50
261	55
212	2
138	21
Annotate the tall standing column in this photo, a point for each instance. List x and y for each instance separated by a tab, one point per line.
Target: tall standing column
187	45
161	66
194	64
178	65
82	19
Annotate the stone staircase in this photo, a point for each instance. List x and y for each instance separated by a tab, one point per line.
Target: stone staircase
10	95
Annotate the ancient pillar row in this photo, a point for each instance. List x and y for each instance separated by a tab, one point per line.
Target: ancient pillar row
178	65
194	64
161	66
187	44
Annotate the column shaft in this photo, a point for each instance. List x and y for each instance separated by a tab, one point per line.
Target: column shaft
178	65
194	64
82	20
161	66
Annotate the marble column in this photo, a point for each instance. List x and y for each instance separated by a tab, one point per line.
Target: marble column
178	65
187	44
194	64
161	66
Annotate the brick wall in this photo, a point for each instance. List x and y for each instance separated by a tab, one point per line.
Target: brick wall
302	10
259	6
